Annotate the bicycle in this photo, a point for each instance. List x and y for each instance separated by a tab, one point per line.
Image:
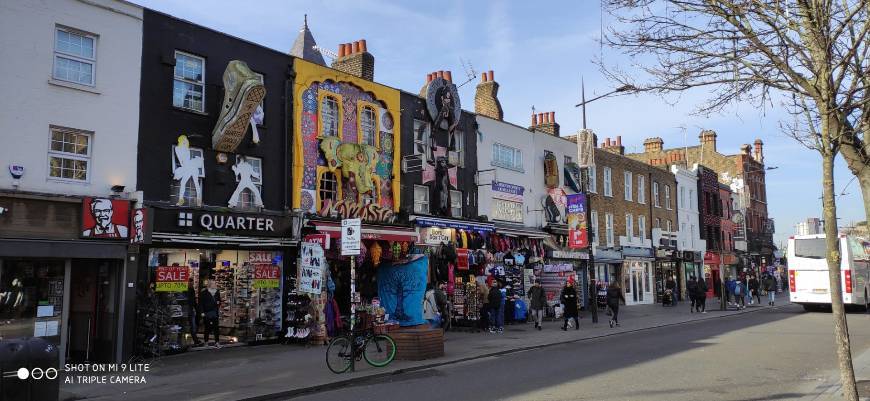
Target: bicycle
378	350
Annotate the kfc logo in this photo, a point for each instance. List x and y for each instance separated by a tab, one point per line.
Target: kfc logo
105	218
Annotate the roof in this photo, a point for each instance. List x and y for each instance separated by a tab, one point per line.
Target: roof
304	46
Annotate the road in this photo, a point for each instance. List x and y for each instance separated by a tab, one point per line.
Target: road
776	354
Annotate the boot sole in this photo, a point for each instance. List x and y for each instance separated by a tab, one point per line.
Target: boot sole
228	135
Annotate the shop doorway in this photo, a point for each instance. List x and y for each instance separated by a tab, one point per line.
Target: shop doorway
638	284
93	314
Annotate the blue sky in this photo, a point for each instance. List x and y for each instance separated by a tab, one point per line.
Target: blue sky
538	52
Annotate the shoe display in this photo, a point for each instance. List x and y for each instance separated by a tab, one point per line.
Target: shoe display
243	92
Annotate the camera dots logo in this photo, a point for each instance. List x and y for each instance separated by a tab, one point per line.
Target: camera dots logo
35	374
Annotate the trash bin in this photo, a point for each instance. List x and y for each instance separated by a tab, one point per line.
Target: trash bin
41	360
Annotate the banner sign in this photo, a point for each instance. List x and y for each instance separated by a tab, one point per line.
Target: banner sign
172	278
105	218
462	258
561	267
266	276
577	233
511	192
311	268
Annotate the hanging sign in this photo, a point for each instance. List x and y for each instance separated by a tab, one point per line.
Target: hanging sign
350	236
172	279
311	268
462	259
577	233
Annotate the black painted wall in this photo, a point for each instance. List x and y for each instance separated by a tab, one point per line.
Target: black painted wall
414	107
161	123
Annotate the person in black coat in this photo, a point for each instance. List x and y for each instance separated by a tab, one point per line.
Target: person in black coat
193	312
537	303
569	301
692	292
753	290
614	295
209	303
701	296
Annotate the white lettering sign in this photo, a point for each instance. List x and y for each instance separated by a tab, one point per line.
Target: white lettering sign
211	222
506	210
350	236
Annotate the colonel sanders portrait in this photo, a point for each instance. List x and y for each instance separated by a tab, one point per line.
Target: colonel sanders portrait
102	212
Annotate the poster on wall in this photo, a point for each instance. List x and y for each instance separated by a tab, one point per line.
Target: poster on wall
105	218
172	278
311	268
401	288
266	276
140	227
577	233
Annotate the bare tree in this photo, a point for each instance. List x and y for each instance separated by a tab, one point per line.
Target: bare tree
810	56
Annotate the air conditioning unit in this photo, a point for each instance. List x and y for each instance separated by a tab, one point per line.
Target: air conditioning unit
412	163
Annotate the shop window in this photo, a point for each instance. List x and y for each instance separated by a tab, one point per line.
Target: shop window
608	187
69	154
421	199
628	180
456	203
327	187
190	191
75	56
31	299
329	116
188	85
368	126
247	198
641	189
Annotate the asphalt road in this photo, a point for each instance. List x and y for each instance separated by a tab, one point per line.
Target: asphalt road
778	354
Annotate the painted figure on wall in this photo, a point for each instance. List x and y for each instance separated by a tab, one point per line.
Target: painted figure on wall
187	168
442	186
245	174
442	102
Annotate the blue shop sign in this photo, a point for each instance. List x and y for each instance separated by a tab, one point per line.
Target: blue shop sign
508	191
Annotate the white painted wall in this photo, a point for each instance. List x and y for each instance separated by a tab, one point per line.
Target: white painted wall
494	131
560	147
32	101
688	216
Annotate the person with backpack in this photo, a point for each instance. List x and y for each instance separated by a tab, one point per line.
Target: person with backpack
537	303
614	295
739	296
770	287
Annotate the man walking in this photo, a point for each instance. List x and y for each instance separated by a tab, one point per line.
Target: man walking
569	301
770	287
701	296
537	303
691	291
671	285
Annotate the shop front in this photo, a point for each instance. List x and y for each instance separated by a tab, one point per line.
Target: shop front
667	266
691	266
561	260
712	271
210	277
637	279
62	269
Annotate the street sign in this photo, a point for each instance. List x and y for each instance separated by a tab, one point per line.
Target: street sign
350	236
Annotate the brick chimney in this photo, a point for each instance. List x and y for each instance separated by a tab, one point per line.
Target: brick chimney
614	146
446	75
486	97
354	59
708	139
654	144
759	151
545	122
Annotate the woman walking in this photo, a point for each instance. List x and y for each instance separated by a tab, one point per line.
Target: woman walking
614	295
770	287
569	300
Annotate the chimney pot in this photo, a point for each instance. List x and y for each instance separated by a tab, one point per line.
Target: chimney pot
491	76
362	45
534	118
348	49
441	74
540	118
448	76
552	117
341	50
483	77
428	78
607	142
356	47
619	140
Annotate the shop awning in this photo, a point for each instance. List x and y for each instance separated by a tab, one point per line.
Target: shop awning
424	221
519	231
369	231
195	239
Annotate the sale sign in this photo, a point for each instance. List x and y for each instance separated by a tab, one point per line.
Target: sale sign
311	264
266	276
577	232
172	278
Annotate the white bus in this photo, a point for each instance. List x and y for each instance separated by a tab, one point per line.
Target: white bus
808	271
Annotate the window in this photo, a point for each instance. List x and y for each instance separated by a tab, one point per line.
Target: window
592	182
456	203
459	149
188	90
656	194
669	226
421	199
421	138
327	188
247	199
507	157
608	189
594	221
682	202
641	226
568	159
608	228
190	185
75	56
692	200
629	226
658	223
69	154
368	126
628	181
641	189
329	116
668	197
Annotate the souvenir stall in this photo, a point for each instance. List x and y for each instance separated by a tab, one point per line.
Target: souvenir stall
558	259
513	251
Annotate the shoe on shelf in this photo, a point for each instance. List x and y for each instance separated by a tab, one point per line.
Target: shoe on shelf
243	92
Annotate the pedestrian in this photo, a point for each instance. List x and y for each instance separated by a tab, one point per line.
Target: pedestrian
569	304
430	308
193	312
701	296
483	296
753	285
739	298
614	295
692	292
671	285
537	303
770	287
443	305
496	308
209	303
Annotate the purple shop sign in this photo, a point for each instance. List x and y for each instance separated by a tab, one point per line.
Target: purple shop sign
507	191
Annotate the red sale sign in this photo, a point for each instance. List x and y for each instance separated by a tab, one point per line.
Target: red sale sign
172	278
266	276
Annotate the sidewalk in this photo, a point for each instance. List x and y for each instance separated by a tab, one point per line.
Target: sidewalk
261	371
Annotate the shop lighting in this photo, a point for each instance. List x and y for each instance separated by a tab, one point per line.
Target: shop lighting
118	189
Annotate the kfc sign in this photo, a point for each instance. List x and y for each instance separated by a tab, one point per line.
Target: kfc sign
105	218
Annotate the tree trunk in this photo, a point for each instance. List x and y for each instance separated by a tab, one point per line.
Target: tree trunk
864	180
841	329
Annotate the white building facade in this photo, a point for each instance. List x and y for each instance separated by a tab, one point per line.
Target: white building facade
688	222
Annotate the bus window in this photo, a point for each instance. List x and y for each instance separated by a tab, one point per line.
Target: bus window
812	248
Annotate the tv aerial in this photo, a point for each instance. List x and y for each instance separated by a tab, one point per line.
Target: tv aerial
325	52
470	74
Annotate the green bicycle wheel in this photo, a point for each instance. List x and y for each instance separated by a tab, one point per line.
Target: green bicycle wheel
380	350
338	355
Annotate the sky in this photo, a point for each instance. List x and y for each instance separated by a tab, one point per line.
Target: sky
538	52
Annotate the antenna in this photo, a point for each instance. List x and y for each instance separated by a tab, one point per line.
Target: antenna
325	52
470	74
